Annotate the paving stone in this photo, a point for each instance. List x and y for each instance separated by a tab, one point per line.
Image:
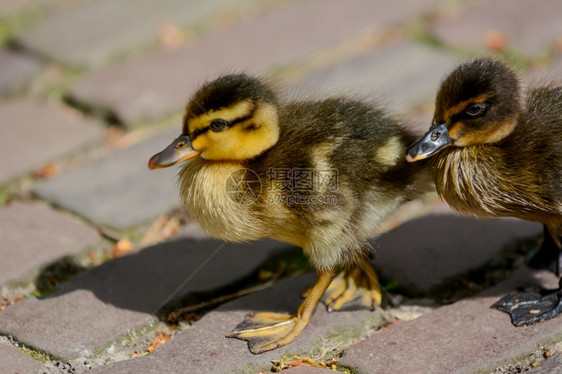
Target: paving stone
551	73
465	337
35	235
204	348
552	365
401	75
149	87
439	246
12	360
89	33
11	7
33	133
73	325
527	29
17	69
95	308
118	190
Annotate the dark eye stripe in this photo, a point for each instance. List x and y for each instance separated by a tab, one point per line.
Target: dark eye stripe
196	133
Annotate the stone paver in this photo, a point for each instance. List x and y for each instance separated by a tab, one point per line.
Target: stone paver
16	70
89	33
552	365
149	87
551	73
34	235
440	246
402	75
11	7
12	360
529	29
33	133
204	348
76	324
118	190
88	313
465	337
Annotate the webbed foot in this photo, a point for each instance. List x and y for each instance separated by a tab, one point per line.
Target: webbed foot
357	286
267	331
531	306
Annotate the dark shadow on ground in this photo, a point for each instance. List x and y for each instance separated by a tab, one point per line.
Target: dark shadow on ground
422	257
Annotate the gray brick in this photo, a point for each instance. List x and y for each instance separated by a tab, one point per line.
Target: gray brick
16	70
72	325
34	235
529	29
465	337
440	246
118	190
89	33
141	89
552	365
11	7
33	133
400	75
12	360
95	308
551	73
204	347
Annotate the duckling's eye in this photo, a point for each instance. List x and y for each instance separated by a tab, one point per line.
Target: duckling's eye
218	125
475	110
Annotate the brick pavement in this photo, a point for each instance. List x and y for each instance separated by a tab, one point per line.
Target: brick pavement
135	59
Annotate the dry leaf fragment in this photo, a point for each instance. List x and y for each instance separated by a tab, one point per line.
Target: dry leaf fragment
46	171
496	40
171	36
158	341
121	247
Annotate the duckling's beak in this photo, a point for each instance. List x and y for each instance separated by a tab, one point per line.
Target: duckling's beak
434	140
180	150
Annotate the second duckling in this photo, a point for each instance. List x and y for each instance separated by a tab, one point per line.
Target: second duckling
498	152
321	175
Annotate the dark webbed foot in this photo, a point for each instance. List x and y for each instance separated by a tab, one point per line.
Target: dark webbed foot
531	306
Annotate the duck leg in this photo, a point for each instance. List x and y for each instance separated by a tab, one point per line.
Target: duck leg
356	286
267	331
549	255
531	306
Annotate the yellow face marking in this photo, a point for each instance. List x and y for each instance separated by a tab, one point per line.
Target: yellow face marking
230	113
391	152
238	142
463	104
455	130
494	132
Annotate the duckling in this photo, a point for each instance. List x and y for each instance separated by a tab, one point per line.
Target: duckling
320	175
497	152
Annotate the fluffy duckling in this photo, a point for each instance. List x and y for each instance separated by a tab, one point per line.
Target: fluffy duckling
495	152
316	174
